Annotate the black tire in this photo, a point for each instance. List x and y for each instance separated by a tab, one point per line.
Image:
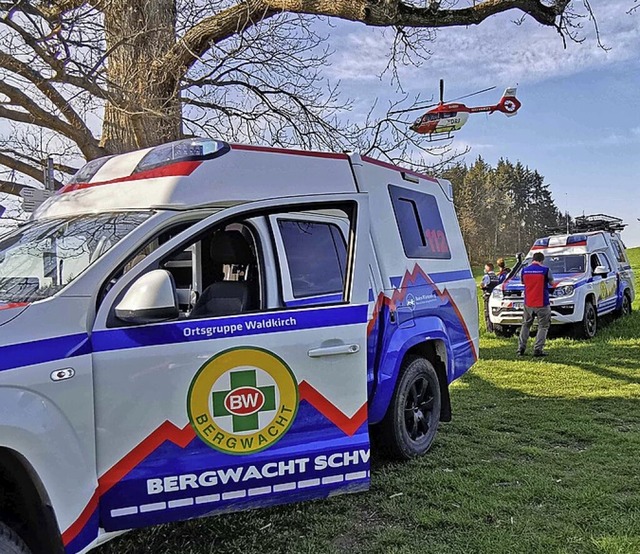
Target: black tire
505	330
410	425
588	327
10	542
625	309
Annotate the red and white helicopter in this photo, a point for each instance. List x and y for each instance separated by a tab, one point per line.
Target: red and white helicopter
448	117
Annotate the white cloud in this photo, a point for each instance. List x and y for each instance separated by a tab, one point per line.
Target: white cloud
496	51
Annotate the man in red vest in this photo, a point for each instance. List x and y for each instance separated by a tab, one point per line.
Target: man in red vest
537	279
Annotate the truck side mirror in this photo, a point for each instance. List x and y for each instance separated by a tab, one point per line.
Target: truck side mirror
600	271
150	299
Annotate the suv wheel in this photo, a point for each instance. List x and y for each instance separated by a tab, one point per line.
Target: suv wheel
10	542
588	327
625	308
411	423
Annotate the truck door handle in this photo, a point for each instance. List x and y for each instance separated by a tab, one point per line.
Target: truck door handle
334	350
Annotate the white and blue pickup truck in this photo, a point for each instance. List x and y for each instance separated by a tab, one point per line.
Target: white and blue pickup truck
204	327
592	274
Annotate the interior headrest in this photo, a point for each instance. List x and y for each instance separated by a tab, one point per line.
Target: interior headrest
230	247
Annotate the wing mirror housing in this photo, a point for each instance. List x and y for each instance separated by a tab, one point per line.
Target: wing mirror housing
152	298
601	271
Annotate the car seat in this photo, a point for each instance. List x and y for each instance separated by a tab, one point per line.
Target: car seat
227	297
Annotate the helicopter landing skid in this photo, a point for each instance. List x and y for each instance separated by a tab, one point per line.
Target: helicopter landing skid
438	137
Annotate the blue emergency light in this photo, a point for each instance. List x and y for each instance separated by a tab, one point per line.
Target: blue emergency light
542	242
576	238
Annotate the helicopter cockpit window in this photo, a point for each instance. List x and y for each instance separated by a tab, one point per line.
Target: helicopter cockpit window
447	115
431	116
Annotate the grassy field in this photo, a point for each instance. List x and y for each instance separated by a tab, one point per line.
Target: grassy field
543	456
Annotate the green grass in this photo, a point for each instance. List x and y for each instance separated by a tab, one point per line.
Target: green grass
543	456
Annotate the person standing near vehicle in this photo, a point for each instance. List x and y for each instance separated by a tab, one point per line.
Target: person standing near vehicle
537	279
488	283
504	270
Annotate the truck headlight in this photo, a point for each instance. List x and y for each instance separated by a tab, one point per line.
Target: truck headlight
566	290
497	293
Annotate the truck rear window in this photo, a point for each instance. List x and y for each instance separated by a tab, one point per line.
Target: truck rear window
421	229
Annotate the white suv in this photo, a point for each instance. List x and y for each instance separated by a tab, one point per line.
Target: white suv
592	276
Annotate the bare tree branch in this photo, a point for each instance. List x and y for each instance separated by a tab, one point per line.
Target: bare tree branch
380	13
38	116
27	169
7	187
57	166
45	86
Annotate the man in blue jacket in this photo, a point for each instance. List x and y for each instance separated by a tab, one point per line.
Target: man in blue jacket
537	279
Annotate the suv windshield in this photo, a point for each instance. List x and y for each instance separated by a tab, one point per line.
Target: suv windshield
41	258
568	263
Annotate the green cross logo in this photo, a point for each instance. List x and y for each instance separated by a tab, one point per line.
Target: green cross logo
244	401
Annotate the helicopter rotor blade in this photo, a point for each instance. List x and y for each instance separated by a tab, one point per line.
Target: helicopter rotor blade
414	109
441	91
472	94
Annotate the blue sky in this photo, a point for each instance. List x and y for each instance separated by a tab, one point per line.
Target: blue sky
579	125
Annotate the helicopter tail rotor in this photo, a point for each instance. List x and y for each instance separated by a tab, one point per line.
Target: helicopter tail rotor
509	104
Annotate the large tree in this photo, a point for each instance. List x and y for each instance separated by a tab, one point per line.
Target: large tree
502	210
98	77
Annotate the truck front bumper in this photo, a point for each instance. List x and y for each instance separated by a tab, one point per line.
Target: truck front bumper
509	312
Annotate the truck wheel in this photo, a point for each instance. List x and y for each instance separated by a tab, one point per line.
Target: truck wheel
586	329
408	429
625	309
10	542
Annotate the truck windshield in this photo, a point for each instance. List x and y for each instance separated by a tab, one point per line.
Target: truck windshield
572	263
566	263
42	257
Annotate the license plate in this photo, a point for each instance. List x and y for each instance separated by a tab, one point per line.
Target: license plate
518	305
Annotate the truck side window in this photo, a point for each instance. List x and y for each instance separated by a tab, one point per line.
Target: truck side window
316	254
421	229
604	260
618	251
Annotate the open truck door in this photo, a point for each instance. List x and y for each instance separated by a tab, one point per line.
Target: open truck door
207	411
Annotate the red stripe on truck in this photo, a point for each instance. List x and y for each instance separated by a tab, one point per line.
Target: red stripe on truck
177	169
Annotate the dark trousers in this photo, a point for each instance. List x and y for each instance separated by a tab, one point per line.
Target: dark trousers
487	321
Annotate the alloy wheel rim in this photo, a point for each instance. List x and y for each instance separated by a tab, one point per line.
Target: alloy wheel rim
418	409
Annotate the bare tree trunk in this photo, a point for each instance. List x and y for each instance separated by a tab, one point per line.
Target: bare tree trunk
145	110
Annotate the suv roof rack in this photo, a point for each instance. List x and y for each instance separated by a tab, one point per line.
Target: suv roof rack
594	222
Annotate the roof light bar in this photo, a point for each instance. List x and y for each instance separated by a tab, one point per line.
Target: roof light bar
87	171
195	149
576	238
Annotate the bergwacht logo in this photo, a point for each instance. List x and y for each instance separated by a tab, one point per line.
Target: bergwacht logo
242	400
